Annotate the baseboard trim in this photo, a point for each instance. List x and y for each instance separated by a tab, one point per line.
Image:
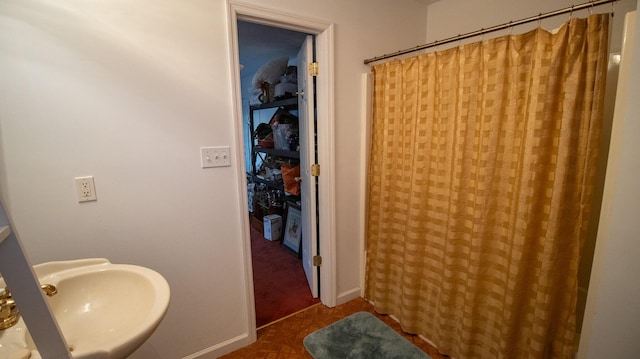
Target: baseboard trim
223	348
349	295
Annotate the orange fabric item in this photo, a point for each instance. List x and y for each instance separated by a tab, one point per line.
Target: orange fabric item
291	177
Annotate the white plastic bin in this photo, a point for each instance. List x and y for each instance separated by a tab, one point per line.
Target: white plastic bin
272	227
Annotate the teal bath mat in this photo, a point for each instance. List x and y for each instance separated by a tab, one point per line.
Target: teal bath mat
358	336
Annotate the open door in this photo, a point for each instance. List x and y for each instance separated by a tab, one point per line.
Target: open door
308	187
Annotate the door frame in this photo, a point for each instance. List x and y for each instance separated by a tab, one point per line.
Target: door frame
324	32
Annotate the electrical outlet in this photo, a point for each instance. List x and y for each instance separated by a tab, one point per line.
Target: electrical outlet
85	189
215	156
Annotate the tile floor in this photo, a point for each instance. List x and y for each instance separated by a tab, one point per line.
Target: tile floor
283	339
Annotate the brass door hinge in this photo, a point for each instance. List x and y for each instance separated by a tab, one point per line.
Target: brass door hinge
317	261
315	170
313	69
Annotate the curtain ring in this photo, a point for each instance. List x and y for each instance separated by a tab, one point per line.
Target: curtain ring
540	20
591	8
510	27
571	13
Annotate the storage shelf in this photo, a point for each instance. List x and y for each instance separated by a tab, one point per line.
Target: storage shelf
288	102
278	153
267	154
273	184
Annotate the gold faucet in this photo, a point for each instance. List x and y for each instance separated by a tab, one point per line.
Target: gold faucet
9	313
49	289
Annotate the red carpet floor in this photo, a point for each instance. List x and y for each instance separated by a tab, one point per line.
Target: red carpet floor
279	283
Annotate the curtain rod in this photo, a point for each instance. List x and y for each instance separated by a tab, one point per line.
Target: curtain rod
509	24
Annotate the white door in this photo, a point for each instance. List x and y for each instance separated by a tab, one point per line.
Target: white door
308	194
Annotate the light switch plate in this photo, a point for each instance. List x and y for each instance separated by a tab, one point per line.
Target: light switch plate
215	156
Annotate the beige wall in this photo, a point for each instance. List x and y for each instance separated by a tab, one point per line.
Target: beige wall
127	91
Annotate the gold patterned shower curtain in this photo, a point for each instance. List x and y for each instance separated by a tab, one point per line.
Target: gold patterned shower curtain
479	189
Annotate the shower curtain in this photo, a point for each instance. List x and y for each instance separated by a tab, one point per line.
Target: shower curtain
479	189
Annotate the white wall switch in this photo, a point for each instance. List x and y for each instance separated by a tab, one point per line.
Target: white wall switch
215	156
86	189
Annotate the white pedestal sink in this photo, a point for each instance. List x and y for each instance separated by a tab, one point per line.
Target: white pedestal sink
104	310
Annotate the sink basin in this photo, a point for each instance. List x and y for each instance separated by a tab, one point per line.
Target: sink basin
104	310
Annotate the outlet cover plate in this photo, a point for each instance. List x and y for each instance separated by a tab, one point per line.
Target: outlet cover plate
85	189
215	156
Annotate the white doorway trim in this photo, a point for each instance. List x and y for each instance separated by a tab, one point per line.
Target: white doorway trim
325	131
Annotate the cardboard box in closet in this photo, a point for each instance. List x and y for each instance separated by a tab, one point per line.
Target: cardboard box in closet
272	227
